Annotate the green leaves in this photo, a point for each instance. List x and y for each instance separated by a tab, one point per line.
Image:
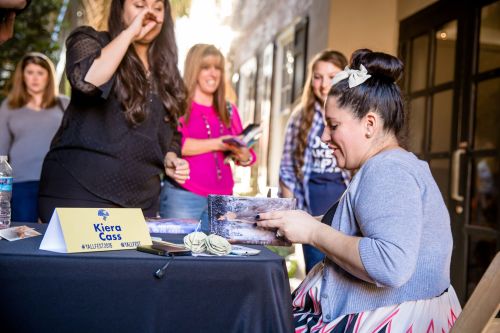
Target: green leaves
32	32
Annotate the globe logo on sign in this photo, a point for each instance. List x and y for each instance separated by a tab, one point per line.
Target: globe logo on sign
103	213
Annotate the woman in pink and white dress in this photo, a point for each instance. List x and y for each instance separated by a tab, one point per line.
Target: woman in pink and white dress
388	245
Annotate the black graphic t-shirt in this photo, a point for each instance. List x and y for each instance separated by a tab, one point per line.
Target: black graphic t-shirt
326	183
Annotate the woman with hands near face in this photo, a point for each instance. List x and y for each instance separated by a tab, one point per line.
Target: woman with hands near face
208	121
119	133
388	246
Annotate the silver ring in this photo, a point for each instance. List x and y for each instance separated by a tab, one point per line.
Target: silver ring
279	234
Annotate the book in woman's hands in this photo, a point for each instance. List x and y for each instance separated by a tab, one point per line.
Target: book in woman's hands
234	218
235	141
249	136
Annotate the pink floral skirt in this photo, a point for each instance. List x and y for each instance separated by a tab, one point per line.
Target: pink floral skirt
437	314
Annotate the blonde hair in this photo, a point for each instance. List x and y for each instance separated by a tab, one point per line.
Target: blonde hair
19	95
195	61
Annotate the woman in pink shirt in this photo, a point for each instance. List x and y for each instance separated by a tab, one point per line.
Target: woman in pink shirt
207	122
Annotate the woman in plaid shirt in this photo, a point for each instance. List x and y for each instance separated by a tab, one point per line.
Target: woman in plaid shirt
308	170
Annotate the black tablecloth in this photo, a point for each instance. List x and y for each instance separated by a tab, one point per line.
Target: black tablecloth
116	291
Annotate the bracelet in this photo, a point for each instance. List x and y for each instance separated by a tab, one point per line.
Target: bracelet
247	162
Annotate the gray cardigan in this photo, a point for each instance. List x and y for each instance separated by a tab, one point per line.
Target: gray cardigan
25	136
395	205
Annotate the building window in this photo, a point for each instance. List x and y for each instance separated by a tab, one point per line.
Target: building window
246	91
283	69
287	74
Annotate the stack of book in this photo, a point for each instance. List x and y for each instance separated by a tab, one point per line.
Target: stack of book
171	225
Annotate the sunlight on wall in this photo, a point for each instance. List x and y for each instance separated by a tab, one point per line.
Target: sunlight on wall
205	24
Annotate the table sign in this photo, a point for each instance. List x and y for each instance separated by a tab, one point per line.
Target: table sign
95	229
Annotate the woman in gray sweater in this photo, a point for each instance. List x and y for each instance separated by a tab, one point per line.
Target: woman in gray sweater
29	118
388	246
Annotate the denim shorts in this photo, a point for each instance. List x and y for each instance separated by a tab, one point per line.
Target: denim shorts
177	202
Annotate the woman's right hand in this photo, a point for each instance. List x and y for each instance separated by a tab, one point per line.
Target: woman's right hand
142	24
105	66
220	145
295	225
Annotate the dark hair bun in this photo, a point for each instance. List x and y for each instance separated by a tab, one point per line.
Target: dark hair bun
378	64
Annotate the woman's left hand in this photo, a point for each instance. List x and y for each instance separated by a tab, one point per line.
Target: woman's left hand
176	168
295	225
242	154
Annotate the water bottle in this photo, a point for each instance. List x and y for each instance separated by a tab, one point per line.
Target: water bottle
5	192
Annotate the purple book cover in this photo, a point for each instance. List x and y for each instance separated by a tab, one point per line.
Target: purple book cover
234	218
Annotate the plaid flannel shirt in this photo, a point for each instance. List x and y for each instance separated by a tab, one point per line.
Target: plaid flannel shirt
287	174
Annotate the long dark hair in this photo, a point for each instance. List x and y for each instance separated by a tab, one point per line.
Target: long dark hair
131	87
308	99
379	93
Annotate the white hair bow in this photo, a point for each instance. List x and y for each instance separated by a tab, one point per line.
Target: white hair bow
356	76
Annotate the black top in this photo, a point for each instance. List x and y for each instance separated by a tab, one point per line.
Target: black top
97	146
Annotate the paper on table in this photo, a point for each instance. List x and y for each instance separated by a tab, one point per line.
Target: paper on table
17	233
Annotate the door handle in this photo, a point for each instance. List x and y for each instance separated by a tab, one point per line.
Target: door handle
455	172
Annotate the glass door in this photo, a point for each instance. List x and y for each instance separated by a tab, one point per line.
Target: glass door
452	83
480	199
